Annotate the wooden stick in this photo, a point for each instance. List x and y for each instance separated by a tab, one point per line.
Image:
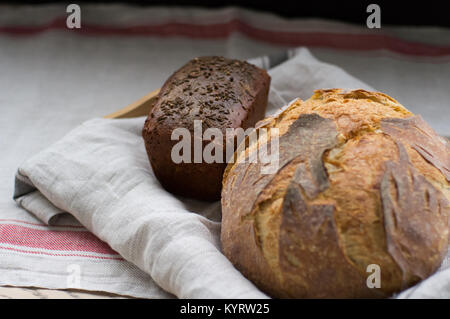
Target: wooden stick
139	108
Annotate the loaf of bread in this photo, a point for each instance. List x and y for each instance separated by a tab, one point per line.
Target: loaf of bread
222	93
362	188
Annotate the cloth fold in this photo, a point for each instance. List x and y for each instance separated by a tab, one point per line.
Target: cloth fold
99	173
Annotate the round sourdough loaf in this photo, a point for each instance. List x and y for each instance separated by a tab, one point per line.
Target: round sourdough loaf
362	190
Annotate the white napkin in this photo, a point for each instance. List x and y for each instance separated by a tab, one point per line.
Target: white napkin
100	174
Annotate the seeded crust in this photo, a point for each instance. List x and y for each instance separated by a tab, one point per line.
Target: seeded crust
361	181
222	93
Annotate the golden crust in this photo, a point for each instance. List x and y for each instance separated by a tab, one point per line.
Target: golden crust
354	112
296	234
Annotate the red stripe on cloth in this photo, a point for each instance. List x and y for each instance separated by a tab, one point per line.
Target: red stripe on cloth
67	240
62	255
223	30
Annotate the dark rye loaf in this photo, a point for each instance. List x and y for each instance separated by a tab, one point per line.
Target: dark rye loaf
222	93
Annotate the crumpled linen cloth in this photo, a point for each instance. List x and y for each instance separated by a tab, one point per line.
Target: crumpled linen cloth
100	174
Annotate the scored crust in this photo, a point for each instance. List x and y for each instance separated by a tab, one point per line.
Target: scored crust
361	181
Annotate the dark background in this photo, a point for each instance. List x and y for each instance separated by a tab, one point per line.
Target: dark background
394	12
